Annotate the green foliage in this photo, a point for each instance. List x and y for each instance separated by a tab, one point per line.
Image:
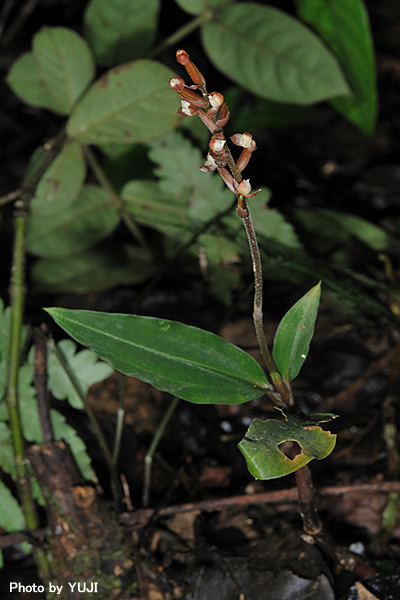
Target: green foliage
294	333
85	367
130	103
89	219
116	33
260	446
273	55
57	71
344	26
190	363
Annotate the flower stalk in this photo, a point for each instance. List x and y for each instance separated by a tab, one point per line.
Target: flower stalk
214	113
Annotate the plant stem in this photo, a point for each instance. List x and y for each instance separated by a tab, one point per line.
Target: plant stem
153	447
116	199
283	391
17	300
115	482
182	32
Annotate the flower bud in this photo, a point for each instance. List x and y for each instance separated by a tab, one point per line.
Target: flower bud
187	109
217	143
223	116
191	97
245	140
244	187
176	83
216	99
182	57
208	165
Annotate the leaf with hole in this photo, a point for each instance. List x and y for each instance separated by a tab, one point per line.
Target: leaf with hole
185	361
120	30
272	55
57	71
131	103
261	444
294	333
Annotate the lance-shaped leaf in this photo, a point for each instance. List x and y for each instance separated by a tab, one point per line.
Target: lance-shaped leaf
190	363
128	104
294	333
260	446
56	73
273	55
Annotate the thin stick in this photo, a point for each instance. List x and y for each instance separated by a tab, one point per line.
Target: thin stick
153	447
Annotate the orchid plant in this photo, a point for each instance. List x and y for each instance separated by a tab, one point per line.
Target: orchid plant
199	366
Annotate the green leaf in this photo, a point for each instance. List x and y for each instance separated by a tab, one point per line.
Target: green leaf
79	274
130	103
85	222
294	333
56	73
272	55
271	224
190	363
120	30
60	185
11	515
260	446
149	206
84	365
7	460
178	163
344	26
197	7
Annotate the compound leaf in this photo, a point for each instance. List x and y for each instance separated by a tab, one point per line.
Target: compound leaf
190	363
85	366
11	515
273	55
260	446
57	71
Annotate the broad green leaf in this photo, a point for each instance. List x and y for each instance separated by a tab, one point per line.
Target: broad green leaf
190	363
84	365
221	259
272	55
178	167
149	206
344	26
85	222
60	185
260	446
57	71
11	515
294	333
130	103
79	274
120	30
